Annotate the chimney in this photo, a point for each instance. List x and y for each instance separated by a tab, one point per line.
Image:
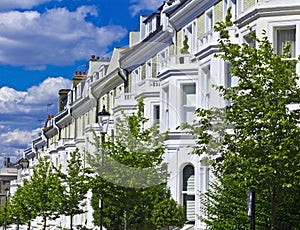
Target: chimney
6	162
78	77
92	58
62	99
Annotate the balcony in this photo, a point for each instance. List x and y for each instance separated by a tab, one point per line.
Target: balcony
181	60
125	101
211	37
63	142
150	86
183	63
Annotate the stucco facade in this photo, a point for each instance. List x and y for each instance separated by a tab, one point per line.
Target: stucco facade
172	84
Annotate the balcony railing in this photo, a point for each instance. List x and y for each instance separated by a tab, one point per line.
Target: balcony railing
177	62
125	99
151	85
63	141
211	37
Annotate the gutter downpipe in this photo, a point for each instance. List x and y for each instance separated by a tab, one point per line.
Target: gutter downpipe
124	78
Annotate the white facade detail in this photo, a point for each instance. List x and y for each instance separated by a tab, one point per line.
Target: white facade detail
172	84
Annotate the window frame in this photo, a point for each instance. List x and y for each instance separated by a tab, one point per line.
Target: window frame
188	193
273	27
209	20
191	32
185	107
149	69
276	38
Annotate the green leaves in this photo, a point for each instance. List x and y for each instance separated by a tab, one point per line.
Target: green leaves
131	177
77	186
260	145
42	195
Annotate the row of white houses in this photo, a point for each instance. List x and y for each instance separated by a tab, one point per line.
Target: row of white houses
172	84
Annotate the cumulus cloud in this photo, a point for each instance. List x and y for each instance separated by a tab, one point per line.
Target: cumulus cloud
16	138
20	4
23	109
139	5
57	36
13	142
46	91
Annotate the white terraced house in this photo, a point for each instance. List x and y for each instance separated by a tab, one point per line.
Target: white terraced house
173	84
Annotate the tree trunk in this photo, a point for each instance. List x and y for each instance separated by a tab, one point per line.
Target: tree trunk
45	222
29	225
71	222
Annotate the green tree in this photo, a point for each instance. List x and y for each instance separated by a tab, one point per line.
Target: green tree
76	181
167	213
131	177
21	205
47	190
262	151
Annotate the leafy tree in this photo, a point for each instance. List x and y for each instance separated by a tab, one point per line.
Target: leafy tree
47	190
21	205
262	151
5	213
76	181
131	177
167	213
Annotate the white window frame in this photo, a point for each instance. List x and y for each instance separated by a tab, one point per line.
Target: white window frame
135	79
205	85
188	106
233	5
70	97
165	110
191	32
275	25
209	20
78	90
162	60
189	192
111	100
149	69
154	107
240	7
293	46
102	71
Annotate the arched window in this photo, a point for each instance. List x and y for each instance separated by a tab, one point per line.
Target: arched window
188	192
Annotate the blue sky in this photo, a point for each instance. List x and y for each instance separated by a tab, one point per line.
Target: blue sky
42	43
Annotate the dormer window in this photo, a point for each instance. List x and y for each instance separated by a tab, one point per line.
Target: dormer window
78	91
149	24
102	71
70	98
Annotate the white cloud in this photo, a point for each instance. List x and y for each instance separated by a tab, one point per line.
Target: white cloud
16	138
57	36
20	4
21	112
11	95
46	91
13	142
139	5
32	102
